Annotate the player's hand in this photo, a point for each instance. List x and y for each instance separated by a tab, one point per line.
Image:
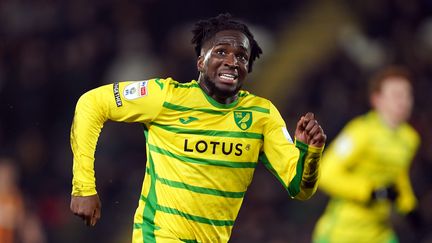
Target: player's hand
309	131
88	208
386	193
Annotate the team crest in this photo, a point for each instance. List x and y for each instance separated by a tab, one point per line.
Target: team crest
243	119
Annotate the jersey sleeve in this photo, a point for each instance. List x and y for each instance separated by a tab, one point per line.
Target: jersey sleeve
339	158
406	200
139	101
295	164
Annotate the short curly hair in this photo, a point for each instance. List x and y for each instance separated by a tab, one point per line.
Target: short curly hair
376	81
206	29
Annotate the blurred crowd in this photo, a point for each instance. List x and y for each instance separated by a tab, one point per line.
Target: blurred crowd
53	51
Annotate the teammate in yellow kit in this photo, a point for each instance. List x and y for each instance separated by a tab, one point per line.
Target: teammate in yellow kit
366	169
203	141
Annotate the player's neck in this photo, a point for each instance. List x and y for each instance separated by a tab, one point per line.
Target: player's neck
210	90
389	120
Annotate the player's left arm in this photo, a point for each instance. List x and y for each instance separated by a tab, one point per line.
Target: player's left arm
310	133
295	164
406	201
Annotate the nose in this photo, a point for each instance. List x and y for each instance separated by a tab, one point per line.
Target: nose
231	61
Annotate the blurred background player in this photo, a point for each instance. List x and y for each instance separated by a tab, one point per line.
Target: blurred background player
366	168
16	224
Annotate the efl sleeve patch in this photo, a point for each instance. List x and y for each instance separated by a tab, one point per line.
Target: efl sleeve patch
136	90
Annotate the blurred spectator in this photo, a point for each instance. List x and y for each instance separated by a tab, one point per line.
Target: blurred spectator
11	202
16	223
135	58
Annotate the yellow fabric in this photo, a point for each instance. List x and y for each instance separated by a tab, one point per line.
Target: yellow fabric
92	110
366	155
201	155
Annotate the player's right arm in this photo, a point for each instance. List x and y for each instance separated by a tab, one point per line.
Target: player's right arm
339	159
124	101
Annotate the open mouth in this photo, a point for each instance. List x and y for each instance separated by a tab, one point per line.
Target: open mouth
228	78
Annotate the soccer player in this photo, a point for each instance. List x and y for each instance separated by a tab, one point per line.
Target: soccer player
203	141
366	169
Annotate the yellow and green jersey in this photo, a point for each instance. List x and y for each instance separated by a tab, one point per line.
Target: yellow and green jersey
366	155
201	155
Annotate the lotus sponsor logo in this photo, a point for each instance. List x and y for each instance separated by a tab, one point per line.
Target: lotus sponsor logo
214	147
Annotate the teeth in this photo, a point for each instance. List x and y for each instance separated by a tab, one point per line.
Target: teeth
228	76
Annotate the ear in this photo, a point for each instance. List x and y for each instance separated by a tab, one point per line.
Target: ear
374	100
200	63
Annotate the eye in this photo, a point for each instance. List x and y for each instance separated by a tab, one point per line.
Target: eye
221	52
242	58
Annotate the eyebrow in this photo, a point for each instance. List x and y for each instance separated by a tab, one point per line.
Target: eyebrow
222	43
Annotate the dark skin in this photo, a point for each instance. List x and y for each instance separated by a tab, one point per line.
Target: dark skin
223	67
88	208
227	55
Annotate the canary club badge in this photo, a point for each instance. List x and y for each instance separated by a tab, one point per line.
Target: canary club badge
136	90
243	119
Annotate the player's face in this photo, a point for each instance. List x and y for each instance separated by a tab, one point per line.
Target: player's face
223	63
395	100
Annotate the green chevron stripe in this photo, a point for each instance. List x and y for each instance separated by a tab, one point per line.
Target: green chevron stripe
174	107
263	158
150	206
202	190
161	85
254	108
294	185
189	241
213	133
184	85
195	218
